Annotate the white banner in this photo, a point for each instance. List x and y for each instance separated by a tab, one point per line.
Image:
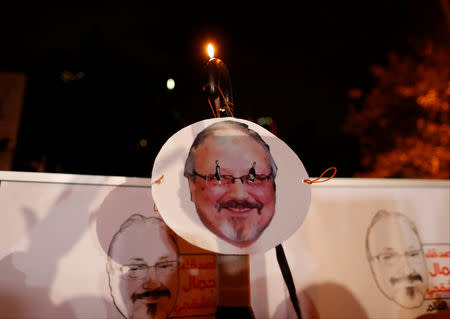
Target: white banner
367	249
89	247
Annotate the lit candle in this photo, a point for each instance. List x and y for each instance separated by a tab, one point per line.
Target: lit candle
218	87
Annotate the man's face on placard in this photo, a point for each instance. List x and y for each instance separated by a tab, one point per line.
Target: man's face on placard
235	208
143	271
397	261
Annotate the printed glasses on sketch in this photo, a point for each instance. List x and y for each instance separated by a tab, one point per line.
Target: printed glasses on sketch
391	258
140	271
231	176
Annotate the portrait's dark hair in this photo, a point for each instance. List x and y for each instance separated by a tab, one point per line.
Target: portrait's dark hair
383	214
137	218
189	166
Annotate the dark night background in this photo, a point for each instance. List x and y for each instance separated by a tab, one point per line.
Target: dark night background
294	63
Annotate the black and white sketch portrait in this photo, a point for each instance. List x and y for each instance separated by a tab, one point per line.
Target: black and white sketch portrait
143	268
396	258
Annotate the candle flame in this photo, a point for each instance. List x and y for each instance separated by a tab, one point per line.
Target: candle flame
211	51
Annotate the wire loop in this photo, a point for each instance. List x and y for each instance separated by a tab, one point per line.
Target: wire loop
308	181
227	103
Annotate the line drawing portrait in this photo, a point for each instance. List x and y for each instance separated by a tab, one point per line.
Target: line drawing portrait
231	176
143	268
395	254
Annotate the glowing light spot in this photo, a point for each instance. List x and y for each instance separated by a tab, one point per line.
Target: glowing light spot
170	84
143	142
210	50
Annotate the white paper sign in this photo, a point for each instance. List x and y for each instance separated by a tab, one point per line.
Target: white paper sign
93	250
369	248
230	186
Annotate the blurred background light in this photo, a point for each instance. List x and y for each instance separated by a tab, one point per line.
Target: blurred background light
170	84
143	142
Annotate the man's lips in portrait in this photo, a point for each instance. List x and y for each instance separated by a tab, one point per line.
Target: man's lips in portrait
239	206
410	279
152	294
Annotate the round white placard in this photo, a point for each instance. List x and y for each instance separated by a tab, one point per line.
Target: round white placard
214	203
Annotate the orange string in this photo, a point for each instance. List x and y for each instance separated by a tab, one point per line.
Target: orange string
308	181
226	103
155	209
212	109
159	180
